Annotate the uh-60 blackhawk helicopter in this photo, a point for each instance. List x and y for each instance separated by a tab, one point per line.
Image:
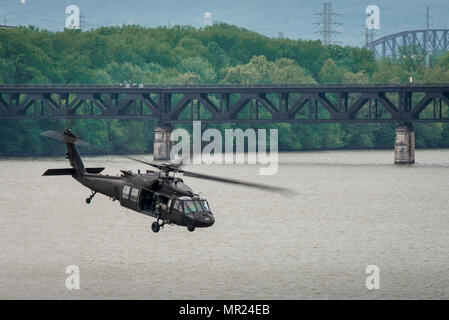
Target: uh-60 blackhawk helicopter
158	194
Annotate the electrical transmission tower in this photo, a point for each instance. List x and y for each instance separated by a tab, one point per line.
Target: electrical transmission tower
369	36
427	44
327	24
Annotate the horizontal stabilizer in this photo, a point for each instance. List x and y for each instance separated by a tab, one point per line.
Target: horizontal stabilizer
69	171
94	170
59	172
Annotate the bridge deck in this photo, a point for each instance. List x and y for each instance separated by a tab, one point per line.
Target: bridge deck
230	103
220	88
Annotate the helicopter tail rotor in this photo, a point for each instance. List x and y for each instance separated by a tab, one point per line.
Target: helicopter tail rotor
67	136
72	152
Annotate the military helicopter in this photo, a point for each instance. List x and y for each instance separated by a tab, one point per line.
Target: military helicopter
159	194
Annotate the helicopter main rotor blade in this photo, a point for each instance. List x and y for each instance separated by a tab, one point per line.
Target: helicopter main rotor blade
239	182
174	167
158	166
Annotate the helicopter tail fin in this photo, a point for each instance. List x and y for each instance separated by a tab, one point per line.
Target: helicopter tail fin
72	151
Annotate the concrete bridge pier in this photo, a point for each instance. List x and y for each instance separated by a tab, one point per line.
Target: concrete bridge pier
162	143
404	147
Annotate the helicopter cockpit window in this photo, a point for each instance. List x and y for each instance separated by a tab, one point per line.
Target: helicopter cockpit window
205	205
199	207
189	206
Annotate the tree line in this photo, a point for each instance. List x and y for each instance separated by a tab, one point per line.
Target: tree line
218	54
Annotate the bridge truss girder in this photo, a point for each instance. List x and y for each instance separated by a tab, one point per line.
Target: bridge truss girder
236	104
388	46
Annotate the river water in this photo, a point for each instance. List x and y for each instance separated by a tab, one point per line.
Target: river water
352	209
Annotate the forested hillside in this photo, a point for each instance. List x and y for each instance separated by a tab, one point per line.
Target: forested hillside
185	55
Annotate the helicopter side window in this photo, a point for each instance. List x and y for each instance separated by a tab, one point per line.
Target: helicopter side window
125	192
134	194
177	206
189	206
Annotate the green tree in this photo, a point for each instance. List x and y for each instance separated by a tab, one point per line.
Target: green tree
330	72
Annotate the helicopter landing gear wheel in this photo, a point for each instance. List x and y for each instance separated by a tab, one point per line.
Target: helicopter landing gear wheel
155	226
191	228
88	200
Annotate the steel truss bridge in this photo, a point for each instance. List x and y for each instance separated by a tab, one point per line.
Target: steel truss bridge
229	103
388	46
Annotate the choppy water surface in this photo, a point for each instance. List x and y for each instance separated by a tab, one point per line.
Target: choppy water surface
353	209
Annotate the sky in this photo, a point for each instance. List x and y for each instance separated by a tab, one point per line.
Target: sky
294	18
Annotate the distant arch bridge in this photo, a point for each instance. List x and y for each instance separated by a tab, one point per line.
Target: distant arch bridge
388	46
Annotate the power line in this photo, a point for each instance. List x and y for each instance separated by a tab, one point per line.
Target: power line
39	15
27	12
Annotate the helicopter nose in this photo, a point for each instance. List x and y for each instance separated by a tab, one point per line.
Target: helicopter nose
204	220
211	219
